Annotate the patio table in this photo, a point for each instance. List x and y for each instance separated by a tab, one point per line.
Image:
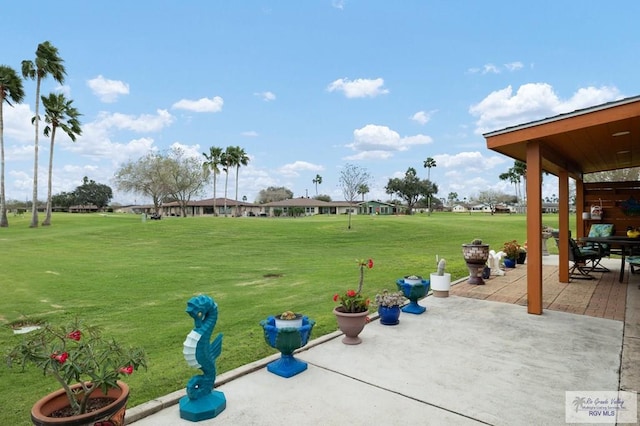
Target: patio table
625	244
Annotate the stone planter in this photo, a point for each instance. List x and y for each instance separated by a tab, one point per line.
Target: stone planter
475	255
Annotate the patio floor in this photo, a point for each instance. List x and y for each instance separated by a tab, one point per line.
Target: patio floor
602	297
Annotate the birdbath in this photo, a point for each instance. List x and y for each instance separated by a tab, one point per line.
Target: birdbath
286	340
413	289
545	236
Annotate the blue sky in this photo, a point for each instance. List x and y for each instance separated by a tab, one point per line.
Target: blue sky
308	86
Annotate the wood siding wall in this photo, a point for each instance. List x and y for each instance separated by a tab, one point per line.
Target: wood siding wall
613	196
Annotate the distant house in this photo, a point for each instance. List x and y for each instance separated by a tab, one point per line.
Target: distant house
309	206
376	207
460	208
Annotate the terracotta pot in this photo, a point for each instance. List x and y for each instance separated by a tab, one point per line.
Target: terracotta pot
351	324
57	400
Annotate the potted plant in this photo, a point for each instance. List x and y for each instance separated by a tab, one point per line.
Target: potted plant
440	280
522	254
352	313
87	365
475	255
389	306
288	319
511	251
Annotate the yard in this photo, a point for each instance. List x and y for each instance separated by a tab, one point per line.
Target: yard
134	278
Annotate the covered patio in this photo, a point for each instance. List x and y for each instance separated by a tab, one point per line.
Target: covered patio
600	138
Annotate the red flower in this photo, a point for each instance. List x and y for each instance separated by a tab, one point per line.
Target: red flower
75	335
61	358
336	297
126	370
351	293
370	264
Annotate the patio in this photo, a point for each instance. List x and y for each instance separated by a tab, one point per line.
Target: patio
602	297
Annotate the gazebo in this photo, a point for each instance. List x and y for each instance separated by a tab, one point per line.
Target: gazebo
600	138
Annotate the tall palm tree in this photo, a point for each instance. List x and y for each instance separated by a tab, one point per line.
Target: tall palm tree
59	113
236	157
47	62
428	164
10	90
225	162
214	159
363	189
317	181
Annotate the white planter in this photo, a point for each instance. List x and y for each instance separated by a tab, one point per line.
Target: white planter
292	323
413	281
440	284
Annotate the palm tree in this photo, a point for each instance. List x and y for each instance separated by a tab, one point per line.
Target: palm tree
428	164
363	189
225	163
317	181
214	159
47	62
237	157
58	113
10	90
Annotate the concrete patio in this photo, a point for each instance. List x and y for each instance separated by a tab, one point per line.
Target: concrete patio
464	361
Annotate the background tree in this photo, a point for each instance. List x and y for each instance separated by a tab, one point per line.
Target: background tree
92	193
145	177
362	190
274	193
213	161
452	198
620	175
59	113
410	188
317	181
225	162
428	164
63	199
323	197
10	91
351	178
184	178
237	157
47	62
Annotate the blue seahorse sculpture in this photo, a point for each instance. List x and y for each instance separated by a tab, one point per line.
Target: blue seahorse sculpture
202	402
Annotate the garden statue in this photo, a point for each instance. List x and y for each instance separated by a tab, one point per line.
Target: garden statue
494	262
202	402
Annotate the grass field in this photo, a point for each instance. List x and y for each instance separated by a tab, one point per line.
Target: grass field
134	278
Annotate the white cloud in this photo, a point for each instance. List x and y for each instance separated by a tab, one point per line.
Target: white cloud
421	117
533	101
107	90
338	4
513	66
266	96
294	169
141	123
494	69
201	105
358	88
188	150
381	138
250	134
463	163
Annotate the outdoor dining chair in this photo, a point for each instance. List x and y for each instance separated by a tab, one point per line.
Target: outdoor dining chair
600	230
583	260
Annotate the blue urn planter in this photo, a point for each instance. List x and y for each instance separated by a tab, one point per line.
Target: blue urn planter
413	292
389	315
286	340
509	263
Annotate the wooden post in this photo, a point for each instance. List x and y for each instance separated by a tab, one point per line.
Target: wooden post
534	228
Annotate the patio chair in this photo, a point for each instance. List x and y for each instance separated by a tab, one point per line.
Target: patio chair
583	261
600	230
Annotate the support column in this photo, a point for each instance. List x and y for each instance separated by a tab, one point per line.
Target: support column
563	224
534	228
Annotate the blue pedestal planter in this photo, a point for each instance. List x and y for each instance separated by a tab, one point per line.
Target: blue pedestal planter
287	340
509	263
413	292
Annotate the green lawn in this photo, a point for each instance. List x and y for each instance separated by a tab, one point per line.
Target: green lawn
134	278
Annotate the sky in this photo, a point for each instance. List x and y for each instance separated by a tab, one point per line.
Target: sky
306	87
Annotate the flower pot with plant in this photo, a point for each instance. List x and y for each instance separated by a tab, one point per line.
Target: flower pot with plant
352	313
440	281
288	319
475	255
511	251
389	306
414	288
87	365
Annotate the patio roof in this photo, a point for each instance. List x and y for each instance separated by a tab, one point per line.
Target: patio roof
600	138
